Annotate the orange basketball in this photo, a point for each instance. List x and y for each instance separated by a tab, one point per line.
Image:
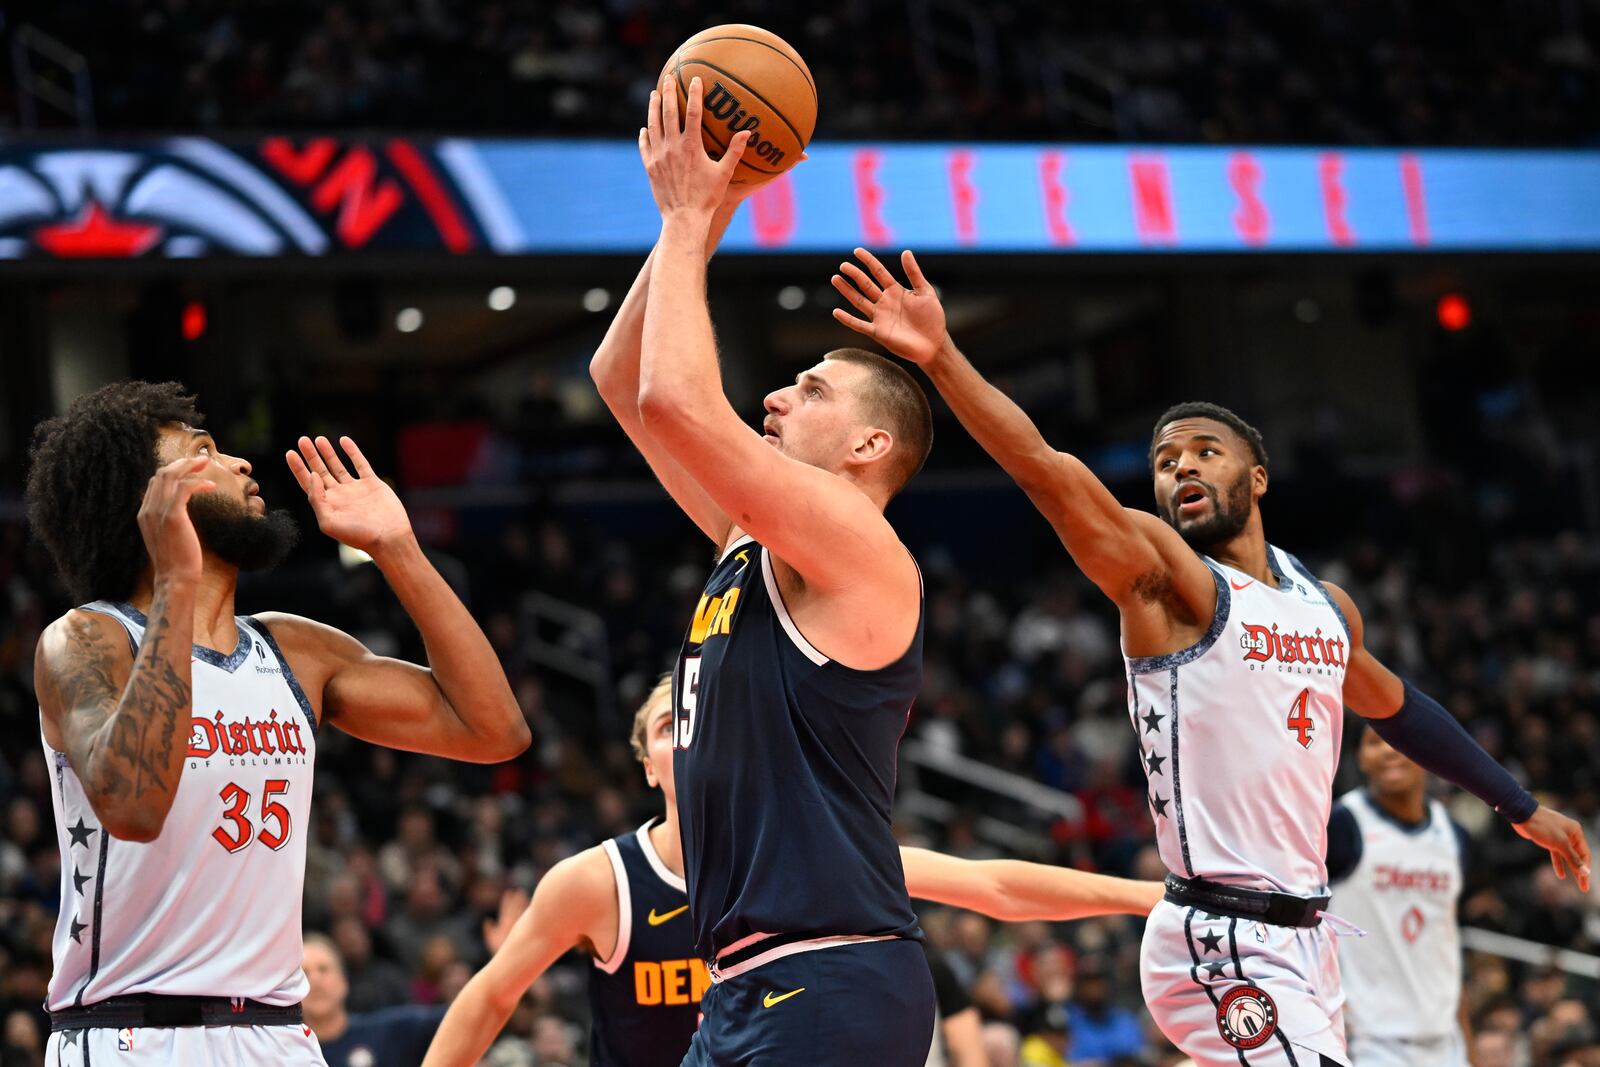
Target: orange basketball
751	80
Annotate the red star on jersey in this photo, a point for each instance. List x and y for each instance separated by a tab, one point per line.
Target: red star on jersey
96	233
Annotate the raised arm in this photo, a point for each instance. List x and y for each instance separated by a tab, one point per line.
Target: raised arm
820	525
615	370
1016	891
460	705
1420	728
572	906
122	718
1134	557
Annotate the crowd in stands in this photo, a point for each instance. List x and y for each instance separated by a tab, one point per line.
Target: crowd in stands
1503	72
409	855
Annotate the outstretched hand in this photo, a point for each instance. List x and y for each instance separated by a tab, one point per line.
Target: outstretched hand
1563	839
513	902
359	510
683	178
908	322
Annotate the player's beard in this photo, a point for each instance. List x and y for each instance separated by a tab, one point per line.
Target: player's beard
1224	523
238	536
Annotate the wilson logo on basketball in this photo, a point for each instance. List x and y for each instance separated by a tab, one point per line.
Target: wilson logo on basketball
723	106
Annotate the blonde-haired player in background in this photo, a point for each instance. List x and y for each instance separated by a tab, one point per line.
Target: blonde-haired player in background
1397	864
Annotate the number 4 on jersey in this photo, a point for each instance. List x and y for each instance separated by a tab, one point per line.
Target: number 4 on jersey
1300	722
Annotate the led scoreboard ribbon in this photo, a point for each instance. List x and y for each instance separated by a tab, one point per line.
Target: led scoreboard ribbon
195	197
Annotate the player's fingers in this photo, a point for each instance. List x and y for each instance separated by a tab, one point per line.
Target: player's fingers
652	120
357	460
913	272
1580	845
308	452
868	288
190	486
736	146
330	456
857	301
691	109
1556	862
298	468
669	106
644	146
875	265
843	317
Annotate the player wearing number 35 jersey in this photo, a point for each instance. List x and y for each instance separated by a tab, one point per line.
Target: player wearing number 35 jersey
181	738
1240	665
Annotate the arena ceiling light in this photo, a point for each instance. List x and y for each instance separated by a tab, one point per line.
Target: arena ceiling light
408	321
502	297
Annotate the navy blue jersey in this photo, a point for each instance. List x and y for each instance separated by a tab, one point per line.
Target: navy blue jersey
785	767
644	1001
388	1037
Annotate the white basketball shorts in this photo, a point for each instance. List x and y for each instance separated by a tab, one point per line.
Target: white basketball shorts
1237	993
186	1046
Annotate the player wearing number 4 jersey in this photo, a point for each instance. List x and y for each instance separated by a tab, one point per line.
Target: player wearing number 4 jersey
182	738
1240	664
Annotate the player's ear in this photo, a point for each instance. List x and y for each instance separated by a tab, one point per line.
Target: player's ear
874	447
650	773
1258	480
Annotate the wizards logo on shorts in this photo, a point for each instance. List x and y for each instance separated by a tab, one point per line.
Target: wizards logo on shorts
1246	1017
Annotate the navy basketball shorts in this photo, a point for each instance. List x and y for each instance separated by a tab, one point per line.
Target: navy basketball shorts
869	1002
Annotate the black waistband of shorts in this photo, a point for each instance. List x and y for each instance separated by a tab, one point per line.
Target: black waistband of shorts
1238	902
159	1011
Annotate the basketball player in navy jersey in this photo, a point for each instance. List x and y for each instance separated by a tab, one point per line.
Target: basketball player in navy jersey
1239	664
182	738
623	904
800	666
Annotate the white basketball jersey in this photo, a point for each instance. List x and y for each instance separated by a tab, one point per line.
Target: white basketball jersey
1240	732
1404	978
211	907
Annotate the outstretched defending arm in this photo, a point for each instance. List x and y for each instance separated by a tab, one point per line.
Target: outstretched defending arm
1419	727
460	705
1134	557
123	718
1016	891
570	906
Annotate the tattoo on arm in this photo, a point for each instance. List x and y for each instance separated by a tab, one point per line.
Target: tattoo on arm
122	740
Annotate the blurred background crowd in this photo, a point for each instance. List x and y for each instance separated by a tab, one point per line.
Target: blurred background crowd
1448	482
410	855
1365	72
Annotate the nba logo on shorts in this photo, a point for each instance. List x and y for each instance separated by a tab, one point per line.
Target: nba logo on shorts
125	1039
1246	1017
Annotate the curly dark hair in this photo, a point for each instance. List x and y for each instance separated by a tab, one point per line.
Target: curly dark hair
90	468
1201	409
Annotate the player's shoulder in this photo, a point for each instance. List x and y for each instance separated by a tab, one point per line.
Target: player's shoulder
81	639
306	641
579	875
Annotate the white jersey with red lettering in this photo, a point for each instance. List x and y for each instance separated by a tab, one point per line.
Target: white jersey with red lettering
211	907
1239	735
1240	732
1403	979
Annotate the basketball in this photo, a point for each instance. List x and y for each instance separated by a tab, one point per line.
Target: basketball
752	80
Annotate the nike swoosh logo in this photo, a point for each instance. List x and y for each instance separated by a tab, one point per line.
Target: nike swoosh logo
1237	586
769	1000
657	920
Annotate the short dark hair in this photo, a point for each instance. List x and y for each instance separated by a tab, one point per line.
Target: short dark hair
895	397
1201	409
90	468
